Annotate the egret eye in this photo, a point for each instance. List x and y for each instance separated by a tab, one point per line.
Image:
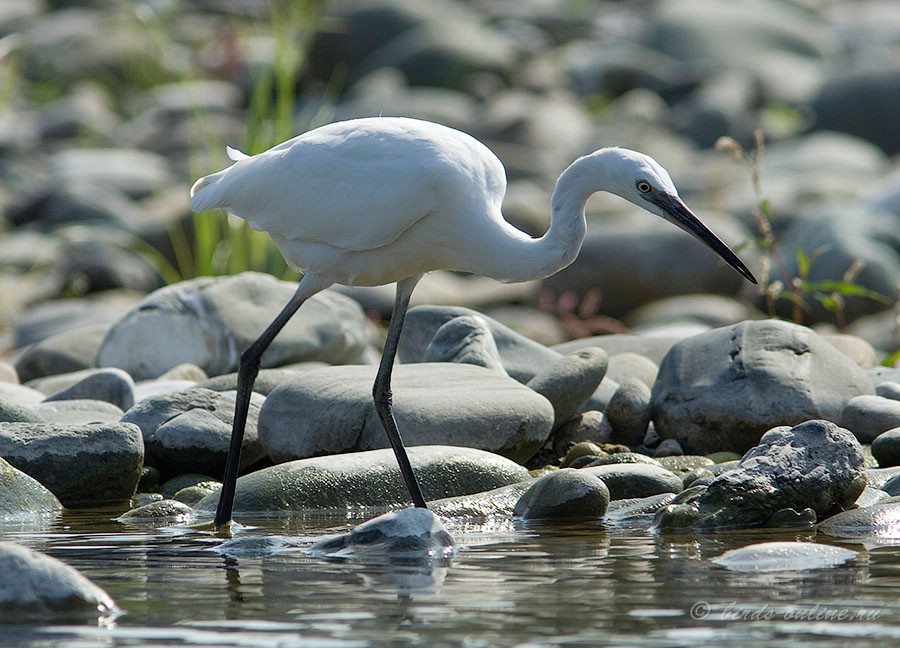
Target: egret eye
643	186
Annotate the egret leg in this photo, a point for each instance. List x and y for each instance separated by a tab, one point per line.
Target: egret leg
381	392
248	369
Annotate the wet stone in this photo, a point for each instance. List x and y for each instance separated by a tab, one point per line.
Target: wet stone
816	466
37	586
886	448
564	495
628	480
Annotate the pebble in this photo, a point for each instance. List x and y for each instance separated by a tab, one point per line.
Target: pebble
409	534
879	522
110	385
466	339
589	426
64	352
166	510
521	357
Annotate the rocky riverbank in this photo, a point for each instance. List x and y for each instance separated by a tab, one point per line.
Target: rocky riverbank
648	353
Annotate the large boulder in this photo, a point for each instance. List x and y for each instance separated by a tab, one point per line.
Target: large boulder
721	390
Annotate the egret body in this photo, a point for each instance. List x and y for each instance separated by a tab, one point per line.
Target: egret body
380	200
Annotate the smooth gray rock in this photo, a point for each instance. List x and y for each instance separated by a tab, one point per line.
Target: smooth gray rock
111	385
854	347
266	380
190	431
628	412
22	496
767	557
723	389
868	416
814	466
522	358
78	321
711	311
886	448
668	448
36	586
878	477
629	365
653	347
17	413
330	410
82	465
466	339
564	495
627	480
495	502
888	389
367	479
78	411
209	321
67	351
570	382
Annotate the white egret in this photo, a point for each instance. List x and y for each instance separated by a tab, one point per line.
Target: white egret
380	200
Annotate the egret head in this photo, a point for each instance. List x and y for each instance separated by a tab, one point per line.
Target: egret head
643	181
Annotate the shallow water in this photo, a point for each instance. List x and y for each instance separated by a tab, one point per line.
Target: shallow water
509	585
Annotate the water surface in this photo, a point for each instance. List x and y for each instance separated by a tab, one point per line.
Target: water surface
509	585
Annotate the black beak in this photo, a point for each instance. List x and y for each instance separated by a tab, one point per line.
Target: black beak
678	213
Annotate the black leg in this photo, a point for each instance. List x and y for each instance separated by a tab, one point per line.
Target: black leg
247	372
381	392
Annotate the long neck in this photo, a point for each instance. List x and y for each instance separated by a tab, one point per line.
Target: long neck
535	258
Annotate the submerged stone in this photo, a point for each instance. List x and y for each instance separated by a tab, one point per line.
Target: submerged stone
784	556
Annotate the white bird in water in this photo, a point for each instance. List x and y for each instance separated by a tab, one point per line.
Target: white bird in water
379	200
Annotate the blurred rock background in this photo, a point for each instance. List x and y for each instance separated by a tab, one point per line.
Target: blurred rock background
109	109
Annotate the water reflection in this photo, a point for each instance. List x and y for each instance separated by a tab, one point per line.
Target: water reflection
509	585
